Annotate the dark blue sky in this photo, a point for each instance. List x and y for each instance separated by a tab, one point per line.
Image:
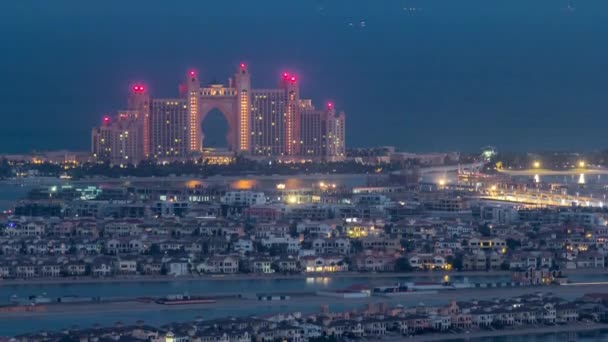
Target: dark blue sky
453	75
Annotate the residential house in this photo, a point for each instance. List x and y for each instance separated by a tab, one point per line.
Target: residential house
75	268
324	263
383	242
567	312
474	262
178	267
102	267
288	265
225	264
243	246
261	265
590	259
24	269
124	245
374	327
427	261
331	245
49	269
151	266
125	265
368	262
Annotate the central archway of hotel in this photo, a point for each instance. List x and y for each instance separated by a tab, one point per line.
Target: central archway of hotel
215	130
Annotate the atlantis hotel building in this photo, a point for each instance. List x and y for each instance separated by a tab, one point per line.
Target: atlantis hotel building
263	123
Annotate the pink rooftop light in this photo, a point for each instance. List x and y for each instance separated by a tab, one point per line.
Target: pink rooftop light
138	88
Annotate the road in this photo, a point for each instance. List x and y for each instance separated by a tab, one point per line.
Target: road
547	172
543	198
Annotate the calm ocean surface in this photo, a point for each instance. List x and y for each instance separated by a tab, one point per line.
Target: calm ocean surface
9	193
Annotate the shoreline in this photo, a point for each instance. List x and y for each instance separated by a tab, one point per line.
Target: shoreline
515	331
49	180
240	277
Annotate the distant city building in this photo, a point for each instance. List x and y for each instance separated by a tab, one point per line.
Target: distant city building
267	122
314	129
292	115
322	132
139	106
169	127
261	122
118	140
336	135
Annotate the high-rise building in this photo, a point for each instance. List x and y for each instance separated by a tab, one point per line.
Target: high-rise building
118	139
243	90
139	102
292	115
322	132
169	128
336	136
313	130
268	108
101	141
275	119
192	98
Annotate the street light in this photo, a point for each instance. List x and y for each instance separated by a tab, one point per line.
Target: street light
581	164
536	164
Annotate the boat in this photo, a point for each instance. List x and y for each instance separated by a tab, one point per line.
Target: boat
33	299
43	299
420	286
397	288
184	299
77	299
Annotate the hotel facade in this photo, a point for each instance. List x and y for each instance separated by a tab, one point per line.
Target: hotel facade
262	123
